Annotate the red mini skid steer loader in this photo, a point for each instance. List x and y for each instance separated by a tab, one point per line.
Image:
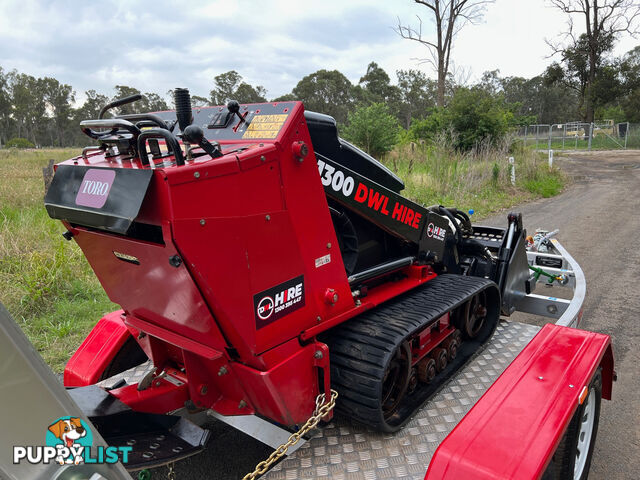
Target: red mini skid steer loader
261	261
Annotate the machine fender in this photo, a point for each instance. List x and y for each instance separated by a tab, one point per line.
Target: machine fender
515	428
97	351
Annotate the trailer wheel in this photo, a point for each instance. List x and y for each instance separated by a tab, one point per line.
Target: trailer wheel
572	459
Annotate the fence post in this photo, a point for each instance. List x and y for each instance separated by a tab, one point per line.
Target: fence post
590	134
626	135
564	134
512	165
537	133
525	135
550	128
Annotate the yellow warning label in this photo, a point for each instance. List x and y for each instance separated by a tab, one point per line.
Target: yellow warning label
265	126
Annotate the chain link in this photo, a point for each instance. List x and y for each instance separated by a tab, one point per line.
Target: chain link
322	409
171	474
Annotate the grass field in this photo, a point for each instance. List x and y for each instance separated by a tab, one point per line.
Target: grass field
48	287
478	180
45	281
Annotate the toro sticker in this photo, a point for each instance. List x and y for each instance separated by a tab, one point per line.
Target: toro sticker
278	301
95	187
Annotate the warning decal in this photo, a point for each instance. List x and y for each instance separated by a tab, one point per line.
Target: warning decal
265	126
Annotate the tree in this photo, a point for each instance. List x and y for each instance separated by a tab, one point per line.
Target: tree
89	110
152	102
198	102
229	86
226	85
541	100
604	20
91	107
472	116
5	108
449	17
58	98
325	91
28	105
375	87
372	128
417	94
125	91
630	78
245	93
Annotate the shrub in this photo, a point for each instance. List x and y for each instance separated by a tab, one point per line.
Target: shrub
474	115
373	129
17	142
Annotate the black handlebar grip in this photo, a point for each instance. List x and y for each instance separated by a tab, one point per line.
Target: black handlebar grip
184	114
170	138
119	103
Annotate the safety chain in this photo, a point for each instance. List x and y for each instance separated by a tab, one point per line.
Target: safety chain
322	409
171	474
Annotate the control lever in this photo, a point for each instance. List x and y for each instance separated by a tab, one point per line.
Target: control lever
195	134
234	107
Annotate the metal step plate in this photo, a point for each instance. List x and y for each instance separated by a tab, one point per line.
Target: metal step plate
345	450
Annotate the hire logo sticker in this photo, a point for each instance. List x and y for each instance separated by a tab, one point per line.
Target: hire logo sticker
278	301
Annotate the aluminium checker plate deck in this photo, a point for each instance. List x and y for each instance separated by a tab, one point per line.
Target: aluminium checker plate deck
345	450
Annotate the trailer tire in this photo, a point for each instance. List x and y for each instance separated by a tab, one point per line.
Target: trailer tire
572	458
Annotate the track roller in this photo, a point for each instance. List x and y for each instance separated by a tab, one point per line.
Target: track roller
453	345
440	356
427	370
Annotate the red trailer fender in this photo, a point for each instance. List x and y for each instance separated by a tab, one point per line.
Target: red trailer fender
97	351
514	429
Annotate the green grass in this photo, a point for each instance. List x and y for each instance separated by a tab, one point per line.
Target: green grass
49	288
545	187
45	281
478	180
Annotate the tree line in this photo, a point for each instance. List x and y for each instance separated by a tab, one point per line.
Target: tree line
43	110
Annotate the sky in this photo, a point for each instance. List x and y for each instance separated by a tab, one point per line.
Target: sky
159	45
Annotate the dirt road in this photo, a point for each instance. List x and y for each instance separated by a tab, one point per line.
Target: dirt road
599	223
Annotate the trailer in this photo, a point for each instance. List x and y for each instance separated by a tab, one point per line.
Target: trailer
271	274
502	389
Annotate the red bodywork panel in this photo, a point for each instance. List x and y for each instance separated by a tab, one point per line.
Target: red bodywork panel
97	351
251	228
516	426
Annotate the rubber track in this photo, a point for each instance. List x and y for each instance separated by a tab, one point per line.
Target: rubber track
361	348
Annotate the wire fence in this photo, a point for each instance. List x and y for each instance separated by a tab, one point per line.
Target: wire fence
581	136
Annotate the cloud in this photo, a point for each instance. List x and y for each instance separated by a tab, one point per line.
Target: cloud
274	43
